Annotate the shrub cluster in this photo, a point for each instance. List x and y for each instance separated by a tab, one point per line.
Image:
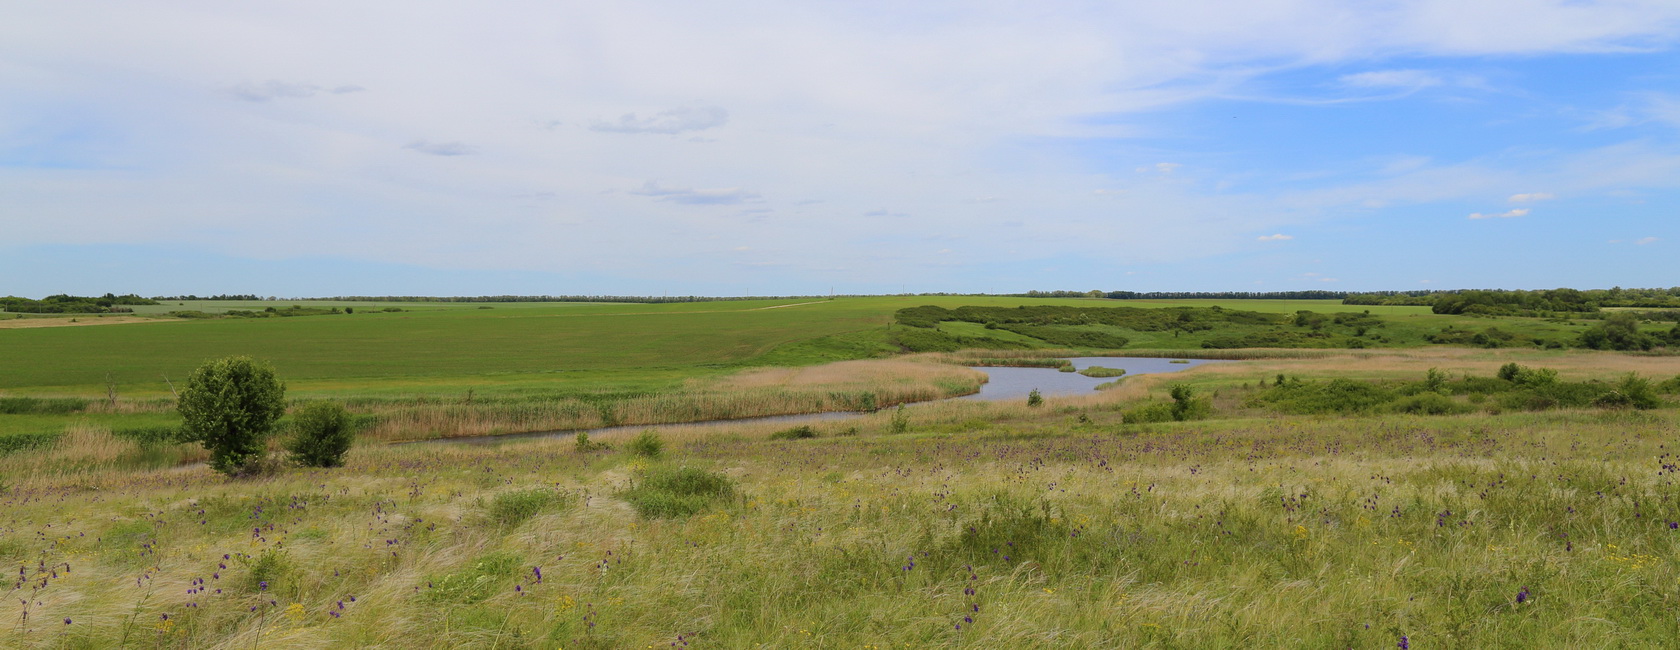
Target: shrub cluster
667	492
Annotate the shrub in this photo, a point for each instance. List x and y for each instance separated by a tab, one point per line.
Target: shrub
513	508
647	444
322	434
1148	413
41	406
677	492
800	432
1430	404
10	444
487	576
266	571
585	445
901	420
1185	406
1671	386
1034	398
1632	391
230	405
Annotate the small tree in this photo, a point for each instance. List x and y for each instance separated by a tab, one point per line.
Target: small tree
322	434
1035	398
230	405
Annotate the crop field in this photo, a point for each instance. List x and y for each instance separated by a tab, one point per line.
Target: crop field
1403	495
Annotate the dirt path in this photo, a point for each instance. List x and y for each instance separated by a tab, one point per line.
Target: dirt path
26	323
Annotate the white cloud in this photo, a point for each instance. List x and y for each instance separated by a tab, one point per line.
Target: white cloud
1508	214
722	196
1278	237
1392	79
671	122
1532	197
441	148
1647	240
253	92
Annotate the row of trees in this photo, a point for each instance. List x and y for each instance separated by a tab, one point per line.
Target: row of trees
68	304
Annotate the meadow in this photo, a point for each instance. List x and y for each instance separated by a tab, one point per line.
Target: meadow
1495	523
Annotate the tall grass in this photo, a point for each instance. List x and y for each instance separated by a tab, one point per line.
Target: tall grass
1035	530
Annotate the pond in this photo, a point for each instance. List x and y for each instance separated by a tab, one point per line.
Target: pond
1015	383
1004	384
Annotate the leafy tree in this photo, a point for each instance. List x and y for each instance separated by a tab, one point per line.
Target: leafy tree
1620	331
322	435
230	405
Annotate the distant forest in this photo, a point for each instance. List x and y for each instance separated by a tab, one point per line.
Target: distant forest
68	304
1489	302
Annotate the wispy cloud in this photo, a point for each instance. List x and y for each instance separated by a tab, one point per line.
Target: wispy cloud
671	122
1508	214
255	92
1647	240
721	196
441	148
1277	237
1532	197
1392	80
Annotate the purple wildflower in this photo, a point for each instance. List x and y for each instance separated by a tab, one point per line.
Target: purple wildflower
1403	644
1522	596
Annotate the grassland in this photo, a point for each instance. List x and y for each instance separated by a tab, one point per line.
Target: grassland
951	524
946	523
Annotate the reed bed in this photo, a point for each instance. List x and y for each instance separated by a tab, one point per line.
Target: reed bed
844	386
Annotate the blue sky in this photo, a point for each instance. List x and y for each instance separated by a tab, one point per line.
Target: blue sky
724	148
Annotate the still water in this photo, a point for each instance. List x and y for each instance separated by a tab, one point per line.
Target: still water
1004	384
1015	383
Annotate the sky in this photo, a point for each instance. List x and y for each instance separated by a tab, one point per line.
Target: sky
806	147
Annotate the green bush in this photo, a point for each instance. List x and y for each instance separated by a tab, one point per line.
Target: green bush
901	419
1335	396
321	435
41	406
1430	404
1186	406
14	443
585	445
647	444
486	576
230	406
1632	391
1148	413
1035	398
800	432
513	508
667	492
266	572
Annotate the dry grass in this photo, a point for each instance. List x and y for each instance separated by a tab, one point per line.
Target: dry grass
844	386
1269	533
